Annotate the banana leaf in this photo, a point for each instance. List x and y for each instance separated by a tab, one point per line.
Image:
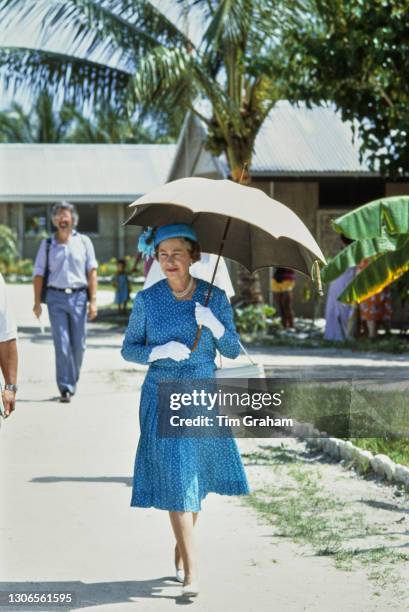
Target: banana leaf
354	253
368	220
383	271
403	287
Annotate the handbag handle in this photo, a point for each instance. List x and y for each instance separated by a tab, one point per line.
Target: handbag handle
244	351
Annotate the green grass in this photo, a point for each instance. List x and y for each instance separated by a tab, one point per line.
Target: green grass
302	509
397	450
394	344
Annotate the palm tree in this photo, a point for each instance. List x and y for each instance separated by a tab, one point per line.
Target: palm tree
41	124
148	59
156	63
104	126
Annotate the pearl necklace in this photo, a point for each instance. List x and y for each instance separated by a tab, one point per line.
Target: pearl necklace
180	294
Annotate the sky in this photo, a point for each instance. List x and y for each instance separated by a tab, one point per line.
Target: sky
29	35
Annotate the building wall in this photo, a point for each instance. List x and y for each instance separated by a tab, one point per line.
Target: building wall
106	241
4	214
396	189
302	198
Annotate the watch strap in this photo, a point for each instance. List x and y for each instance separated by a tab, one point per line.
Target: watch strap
10	387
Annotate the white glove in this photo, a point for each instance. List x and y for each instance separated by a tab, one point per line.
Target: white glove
204	316
173	350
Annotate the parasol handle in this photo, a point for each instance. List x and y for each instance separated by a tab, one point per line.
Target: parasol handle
209	291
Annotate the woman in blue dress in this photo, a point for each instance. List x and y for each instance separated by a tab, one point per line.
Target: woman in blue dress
176	473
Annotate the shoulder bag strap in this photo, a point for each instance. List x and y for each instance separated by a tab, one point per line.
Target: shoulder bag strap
47	251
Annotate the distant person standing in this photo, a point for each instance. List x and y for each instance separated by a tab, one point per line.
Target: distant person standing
282	285
66	262
376	310
339	316
122	286
8	352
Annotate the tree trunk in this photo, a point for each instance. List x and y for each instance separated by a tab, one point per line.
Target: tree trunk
248	285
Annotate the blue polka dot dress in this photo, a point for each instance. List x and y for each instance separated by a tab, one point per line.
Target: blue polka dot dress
177	473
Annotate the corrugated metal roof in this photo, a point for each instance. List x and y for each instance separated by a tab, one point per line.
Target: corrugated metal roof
299	140
81	172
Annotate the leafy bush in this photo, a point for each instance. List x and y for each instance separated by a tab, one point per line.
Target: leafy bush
22	267
109	267
8	248
255	319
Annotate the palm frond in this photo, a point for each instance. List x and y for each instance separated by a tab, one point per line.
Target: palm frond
160	71
226	110
81	79
116	30
229	24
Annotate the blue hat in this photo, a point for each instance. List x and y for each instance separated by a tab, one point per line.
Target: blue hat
174	230
151	237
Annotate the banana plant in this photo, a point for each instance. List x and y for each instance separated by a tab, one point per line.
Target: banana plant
380	233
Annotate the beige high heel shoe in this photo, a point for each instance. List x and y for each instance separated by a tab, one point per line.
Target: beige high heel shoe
190	590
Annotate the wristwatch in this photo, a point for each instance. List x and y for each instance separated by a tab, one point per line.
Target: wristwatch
10	387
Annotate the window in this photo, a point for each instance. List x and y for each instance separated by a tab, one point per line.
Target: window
36	220
349	193
88	218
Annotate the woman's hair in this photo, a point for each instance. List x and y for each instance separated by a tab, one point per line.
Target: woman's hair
192	246
64	205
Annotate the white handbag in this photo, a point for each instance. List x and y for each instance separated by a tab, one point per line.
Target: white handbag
250	370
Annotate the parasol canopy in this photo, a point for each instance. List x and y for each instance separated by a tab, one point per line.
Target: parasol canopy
254	229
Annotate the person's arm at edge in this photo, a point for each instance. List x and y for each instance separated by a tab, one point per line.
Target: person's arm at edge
38	285
8	365
92	277
92	289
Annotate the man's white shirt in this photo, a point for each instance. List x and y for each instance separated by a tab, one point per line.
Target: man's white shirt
8	329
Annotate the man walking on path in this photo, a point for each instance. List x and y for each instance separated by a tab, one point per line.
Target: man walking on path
8	351
66	264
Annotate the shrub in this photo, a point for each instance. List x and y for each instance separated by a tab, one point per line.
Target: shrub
108	268
8	248
255	319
